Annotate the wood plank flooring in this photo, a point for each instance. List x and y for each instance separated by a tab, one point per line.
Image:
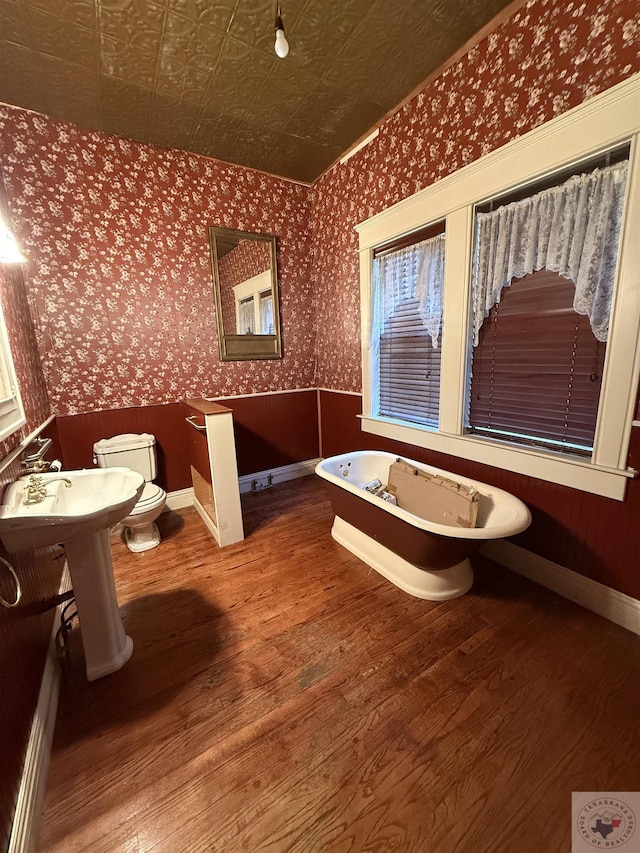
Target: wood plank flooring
283	697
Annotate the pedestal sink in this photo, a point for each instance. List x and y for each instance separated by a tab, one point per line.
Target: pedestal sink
79	517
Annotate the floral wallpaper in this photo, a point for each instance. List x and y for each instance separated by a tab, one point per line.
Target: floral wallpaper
119	276
548	57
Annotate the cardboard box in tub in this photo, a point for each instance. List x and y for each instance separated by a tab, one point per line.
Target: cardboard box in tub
431	496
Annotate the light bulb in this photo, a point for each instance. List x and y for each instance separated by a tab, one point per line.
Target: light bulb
282	45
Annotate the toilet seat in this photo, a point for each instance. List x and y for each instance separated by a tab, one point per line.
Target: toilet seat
151	497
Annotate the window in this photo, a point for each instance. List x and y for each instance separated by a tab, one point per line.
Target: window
408	291
581	382
544	272
254	305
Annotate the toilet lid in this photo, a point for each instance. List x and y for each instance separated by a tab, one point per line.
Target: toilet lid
151	494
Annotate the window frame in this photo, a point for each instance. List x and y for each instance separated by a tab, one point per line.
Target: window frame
601	123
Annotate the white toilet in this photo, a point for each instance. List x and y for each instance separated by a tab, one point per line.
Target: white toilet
138	453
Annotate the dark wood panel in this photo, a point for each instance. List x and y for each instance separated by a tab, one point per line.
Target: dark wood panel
339	425
24	638
594	536
197	441
287	698
78	433
272	430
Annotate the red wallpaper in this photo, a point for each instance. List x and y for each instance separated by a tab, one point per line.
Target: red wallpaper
249	258
119	278
548	57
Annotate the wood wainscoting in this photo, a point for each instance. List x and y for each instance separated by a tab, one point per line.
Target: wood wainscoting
275	429
284	697
272	430
78	434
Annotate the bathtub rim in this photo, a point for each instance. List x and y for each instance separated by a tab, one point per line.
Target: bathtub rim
498	531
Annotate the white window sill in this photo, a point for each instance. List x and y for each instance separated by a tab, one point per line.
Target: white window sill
575	473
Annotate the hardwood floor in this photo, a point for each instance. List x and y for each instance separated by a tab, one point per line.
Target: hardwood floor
284	697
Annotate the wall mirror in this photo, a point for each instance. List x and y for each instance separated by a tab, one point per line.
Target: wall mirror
246	287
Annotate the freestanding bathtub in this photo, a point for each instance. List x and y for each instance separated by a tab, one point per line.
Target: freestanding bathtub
423	558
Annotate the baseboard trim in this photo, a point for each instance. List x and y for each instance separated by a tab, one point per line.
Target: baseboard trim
185	497
613	605
30	802
179	499
278	475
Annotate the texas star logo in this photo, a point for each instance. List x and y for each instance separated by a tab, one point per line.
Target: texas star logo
606	824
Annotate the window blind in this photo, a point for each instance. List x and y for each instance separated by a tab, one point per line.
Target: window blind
537	370
407	326
409	368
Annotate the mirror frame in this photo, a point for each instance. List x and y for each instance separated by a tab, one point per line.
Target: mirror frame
246	347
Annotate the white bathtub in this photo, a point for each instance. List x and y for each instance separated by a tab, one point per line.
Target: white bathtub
423	558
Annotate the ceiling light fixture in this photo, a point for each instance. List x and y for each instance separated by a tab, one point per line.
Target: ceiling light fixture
281	46
9	250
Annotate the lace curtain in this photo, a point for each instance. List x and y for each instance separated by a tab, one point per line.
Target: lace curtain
266	314
415	272
245	316
571	229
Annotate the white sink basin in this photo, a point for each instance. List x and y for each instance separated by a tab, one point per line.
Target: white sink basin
97	499
79	516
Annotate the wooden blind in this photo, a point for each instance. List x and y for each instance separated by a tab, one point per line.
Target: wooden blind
409	368
537	371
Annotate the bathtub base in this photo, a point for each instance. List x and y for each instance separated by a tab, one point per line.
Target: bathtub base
436	585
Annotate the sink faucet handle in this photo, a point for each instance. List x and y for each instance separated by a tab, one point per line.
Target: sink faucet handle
35	490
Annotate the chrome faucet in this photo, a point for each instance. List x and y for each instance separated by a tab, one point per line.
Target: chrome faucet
35	491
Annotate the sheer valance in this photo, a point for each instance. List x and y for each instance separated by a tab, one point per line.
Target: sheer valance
572	229
415	272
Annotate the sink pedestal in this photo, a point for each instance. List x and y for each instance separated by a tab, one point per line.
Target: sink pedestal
106	646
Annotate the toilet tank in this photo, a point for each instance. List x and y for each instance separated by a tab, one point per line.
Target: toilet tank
130	450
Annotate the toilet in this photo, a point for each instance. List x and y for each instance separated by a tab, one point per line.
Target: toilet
138	453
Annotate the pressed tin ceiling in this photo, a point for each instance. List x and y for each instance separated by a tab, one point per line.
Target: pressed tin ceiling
202	75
